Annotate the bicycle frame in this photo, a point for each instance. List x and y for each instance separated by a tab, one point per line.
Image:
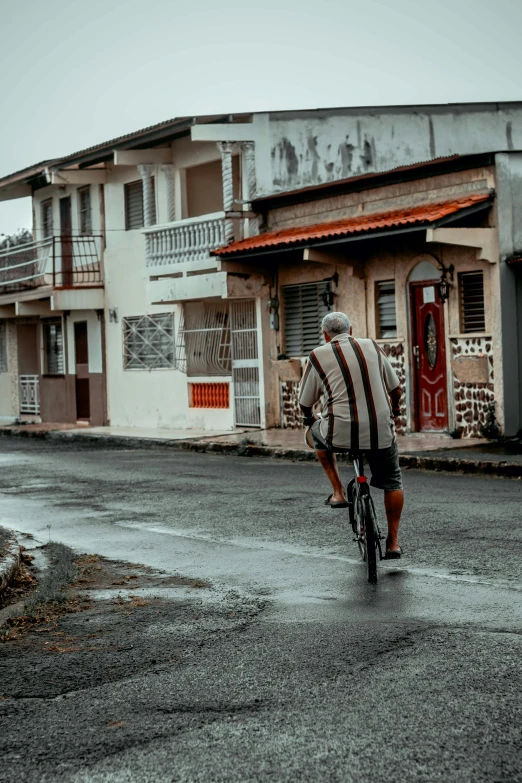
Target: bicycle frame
363	518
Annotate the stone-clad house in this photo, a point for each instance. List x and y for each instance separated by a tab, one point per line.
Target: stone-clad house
179	274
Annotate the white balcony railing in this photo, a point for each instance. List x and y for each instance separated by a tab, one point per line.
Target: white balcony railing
25	266
186	240
61	261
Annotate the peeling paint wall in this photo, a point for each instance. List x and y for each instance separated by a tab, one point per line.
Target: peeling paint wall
309	148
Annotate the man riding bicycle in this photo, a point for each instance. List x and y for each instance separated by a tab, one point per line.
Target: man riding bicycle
363	396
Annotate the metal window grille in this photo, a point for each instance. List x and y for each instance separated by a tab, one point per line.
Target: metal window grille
134	216
53	348
386	310
47	218
3	346
203	346
209	395
472	309
148	342
84	210
305	306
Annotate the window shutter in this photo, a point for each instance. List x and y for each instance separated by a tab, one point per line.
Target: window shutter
133	205
47	219
304	311
472	311
84	201
386	311
134	216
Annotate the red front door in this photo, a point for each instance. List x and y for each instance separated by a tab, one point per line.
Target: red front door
428	358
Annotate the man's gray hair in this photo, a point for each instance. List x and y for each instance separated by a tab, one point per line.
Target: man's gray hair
335	323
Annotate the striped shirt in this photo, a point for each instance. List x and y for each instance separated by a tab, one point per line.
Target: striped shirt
355	376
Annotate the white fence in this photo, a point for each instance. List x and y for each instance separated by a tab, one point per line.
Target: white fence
29	394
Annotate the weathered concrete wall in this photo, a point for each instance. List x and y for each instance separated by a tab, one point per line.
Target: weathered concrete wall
509	203
9	404
308	148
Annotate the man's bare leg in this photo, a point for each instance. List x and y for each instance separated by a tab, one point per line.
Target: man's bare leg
393	503
329	463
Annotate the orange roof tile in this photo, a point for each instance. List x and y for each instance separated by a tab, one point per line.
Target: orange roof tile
293	237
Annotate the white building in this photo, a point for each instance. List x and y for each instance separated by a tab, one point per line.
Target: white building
126	316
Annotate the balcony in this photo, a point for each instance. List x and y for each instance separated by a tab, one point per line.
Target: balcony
56	262
186	244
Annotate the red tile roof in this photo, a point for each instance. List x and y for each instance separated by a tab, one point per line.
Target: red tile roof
294	237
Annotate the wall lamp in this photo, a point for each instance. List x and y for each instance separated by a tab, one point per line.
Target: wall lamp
444	284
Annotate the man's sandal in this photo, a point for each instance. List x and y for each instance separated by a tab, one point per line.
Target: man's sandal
393	554
336	503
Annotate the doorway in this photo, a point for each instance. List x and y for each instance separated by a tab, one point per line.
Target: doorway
430	391
81	357
28	368
245	363
66	241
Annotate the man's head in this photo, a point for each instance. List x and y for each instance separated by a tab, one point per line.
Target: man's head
334	324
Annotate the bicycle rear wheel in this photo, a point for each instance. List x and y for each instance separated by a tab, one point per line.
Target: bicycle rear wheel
371	537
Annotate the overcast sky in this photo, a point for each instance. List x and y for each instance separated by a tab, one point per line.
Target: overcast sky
74	73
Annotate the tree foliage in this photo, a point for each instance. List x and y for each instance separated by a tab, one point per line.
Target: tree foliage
20	237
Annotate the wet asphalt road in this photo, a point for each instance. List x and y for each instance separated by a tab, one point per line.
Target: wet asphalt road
317	676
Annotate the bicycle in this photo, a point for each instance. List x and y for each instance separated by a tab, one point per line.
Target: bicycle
363	518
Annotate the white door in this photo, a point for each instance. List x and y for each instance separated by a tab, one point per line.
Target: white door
245	363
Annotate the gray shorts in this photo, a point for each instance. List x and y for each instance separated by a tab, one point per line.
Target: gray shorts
384	463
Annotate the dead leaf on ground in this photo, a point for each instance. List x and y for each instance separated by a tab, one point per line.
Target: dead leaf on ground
117	724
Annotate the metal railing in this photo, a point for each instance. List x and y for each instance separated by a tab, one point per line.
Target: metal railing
29	394
186	240
61	261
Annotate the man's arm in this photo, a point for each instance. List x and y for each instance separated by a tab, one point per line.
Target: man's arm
395	397
310	392
308	415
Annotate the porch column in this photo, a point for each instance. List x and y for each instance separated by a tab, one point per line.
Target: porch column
168	171
249	156
146	171
226	148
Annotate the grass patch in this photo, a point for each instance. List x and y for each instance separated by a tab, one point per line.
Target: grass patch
51	598
61	572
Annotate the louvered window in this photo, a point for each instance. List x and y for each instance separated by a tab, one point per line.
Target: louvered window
3	347
47	218
472	311
134	204
53	348
386	313
148	342
84	210
305	306
204	339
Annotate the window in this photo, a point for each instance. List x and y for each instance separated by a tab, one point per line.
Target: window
386	314
134	204
305	306
47	218
148	342
3	347
53	348
84	210
204	339
472	312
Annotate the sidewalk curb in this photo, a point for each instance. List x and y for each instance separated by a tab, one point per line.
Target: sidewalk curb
10	564
245	449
